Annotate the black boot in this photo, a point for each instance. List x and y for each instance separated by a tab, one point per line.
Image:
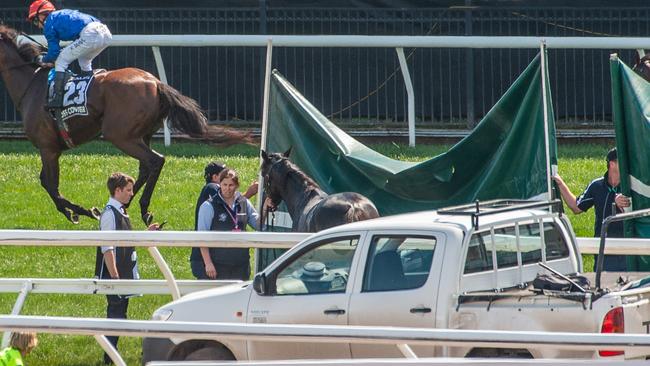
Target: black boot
56	101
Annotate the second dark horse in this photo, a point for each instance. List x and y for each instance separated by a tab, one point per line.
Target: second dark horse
311	209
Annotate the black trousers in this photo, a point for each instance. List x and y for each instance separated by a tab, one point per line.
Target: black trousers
116	309
224	271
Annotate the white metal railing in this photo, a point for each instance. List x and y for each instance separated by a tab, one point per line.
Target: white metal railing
205	40
260	240
410	362
91	286
398	42
152	240
99	328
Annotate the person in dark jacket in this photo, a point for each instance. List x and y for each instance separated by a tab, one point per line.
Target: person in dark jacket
117	262
602	193
90	37
211	187
227	210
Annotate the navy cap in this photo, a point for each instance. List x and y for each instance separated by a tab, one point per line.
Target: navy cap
611	155
214	167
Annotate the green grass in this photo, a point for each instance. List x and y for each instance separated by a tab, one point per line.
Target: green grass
25	205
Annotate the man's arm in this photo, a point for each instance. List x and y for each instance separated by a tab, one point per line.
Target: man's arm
109	259
252	190
206	213
567	195
53	46
107	222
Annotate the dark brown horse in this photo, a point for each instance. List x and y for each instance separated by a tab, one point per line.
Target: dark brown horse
310	208
127	106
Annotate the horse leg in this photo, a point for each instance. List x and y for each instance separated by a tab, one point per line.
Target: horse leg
143	172
50	181
150	161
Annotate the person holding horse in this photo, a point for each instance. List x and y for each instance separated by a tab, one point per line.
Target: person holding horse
211	187
90	37
228	210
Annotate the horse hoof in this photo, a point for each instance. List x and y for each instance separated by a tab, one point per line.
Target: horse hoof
96	214
73	217
147	218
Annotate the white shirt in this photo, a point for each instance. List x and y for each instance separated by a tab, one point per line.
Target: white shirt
107	220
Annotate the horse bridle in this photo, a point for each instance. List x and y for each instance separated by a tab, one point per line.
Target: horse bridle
267	178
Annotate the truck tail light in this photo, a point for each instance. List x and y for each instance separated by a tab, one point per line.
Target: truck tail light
614	322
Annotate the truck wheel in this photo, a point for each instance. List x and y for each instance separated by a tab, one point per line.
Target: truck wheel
210	353
201	351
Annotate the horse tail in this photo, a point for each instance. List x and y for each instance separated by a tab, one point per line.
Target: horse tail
184	114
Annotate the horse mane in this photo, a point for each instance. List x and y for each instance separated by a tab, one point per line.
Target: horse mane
292	172
27	50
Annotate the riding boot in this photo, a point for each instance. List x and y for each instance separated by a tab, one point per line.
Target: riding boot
60	78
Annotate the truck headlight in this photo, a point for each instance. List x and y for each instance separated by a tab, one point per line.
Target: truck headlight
162	314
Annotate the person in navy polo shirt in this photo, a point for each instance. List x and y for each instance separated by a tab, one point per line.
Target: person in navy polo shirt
601	194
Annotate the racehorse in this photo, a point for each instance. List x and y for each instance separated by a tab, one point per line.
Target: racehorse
127	106
310	208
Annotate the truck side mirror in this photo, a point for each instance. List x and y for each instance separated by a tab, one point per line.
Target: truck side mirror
259	284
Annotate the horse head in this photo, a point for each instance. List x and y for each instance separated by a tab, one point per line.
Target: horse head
642	66
14	53
272	167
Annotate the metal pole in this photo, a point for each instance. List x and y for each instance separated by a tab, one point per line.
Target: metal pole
406	351
20	301
265	125
542	54
469	60
410	94
167	273
110	350
163	78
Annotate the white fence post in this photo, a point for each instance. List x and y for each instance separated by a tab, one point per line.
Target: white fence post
18	306
162	75
410	94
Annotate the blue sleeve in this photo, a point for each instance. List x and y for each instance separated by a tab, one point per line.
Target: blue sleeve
53	47
586	200
252	214
206	213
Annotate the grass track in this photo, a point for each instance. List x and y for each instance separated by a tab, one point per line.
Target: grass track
25	205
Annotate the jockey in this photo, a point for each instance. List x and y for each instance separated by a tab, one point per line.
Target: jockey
89	36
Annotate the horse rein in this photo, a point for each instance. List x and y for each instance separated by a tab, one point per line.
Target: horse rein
20	100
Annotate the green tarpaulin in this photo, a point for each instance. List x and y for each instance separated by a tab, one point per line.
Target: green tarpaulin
631	107
504	156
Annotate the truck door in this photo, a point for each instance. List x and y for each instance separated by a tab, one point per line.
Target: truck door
398	287
310	287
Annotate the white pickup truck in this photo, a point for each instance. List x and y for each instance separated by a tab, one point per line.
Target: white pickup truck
465	267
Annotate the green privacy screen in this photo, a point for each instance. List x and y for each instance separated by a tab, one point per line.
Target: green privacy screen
503	157
631	107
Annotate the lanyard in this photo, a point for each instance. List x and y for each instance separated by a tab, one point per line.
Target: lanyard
232	217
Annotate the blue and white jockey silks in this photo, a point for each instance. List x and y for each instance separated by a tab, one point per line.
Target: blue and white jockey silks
89	36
